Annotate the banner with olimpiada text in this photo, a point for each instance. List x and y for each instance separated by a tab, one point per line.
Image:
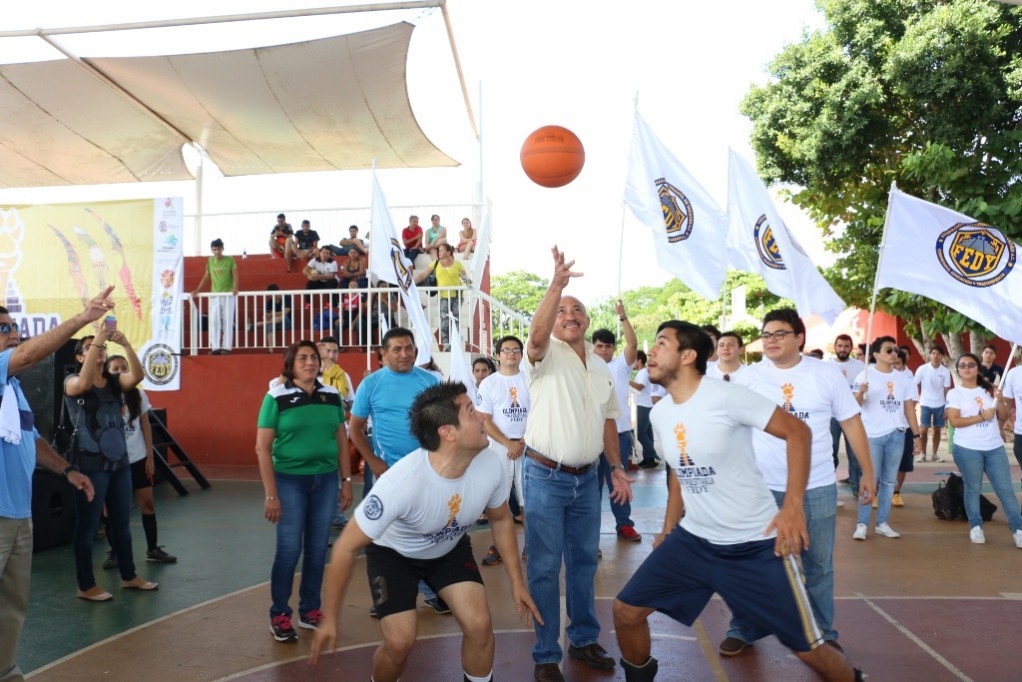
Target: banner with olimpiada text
55	257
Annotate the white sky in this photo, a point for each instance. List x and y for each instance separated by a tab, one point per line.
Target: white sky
536	62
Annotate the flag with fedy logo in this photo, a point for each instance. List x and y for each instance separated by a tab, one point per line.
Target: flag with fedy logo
947	256
689	228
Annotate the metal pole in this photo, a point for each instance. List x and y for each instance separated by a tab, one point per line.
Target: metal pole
457	66
876	277
225	18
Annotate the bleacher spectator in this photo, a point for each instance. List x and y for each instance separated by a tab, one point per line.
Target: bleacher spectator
282	242
352	241
321	271
306	242
434	237
276	312
354	270
467	238
411	237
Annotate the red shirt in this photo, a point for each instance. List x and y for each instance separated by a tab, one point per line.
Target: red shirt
410	233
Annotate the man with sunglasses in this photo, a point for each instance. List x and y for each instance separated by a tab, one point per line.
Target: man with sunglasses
21	449
814	392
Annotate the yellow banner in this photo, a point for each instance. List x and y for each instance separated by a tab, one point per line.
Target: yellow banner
54	258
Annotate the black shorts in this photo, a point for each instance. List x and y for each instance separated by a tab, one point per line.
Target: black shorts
907	458
394	578
138	478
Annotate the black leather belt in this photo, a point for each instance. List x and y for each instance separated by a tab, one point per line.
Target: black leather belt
547	462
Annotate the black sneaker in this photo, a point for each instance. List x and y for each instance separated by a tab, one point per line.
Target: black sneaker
160	557
439	605
281	628
310	620
372	612
492	557
111	561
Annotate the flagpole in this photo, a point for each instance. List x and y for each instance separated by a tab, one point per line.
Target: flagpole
876	277
1007	365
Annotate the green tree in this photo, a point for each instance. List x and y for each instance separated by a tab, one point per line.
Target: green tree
925	93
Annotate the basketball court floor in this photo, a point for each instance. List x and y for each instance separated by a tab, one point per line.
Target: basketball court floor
927	606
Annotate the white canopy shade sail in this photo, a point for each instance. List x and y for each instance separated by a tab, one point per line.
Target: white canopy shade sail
330	104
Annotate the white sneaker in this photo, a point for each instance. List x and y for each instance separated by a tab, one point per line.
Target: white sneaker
840	504
886	531
860	532
1018	538
977	537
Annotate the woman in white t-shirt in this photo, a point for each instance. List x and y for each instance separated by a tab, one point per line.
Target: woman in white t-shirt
975	409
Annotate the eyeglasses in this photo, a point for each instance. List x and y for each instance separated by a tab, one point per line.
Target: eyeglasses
511	351
779	335
889	350
8	327
88	346
967	365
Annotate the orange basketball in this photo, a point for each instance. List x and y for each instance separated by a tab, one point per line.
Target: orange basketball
552	156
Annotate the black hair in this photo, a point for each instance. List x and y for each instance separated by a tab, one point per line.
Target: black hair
504	339
291	352
903	356
435	407
486	361
843	337
434	216
112	381
691	337
711	330
281	215
216	243
306	222
790	317
329	339
816	353
132	398
4	311
877	344
641	355
941	349
353	227
394	333
273	287
991	347
604	336
981	380
735	336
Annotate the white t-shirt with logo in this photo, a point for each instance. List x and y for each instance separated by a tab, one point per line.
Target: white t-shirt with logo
708	441
1012	389
506	400
969	402
932	381
849	369
420	514
133	430
715	372
622	373
813	391
657	391
883	407
643	398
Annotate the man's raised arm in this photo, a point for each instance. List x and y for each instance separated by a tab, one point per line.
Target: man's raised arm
546	314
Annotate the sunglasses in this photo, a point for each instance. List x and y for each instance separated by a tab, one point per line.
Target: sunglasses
967	365
889	350
8	327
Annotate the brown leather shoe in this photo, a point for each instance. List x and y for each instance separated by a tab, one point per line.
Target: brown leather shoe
548	672
593	655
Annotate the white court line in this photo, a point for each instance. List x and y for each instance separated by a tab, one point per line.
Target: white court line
920	643
351	647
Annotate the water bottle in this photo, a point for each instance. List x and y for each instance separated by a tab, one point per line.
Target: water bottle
244	255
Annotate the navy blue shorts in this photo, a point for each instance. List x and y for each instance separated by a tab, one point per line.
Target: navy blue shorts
765	593
907	458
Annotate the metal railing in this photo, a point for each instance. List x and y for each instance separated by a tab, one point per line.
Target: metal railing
269	320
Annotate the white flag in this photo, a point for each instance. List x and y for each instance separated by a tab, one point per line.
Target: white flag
689	228
460	369
761	243
387	261
966	265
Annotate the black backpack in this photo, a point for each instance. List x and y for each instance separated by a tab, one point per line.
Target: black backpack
949	501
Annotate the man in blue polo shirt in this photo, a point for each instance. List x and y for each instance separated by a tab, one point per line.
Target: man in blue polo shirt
386	395
21	449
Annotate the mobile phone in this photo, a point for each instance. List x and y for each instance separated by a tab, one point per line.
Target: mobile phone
111	323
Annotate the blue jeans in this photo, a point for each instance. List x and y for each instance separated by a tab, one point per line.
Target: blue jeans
564	524
307	505
644	429
885	452
835	435
820	506
622	512
113	488
994	463
1017	448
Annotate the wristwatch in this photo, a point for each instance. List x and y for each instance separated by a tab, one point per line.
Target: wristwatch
346	479
68	469
616	466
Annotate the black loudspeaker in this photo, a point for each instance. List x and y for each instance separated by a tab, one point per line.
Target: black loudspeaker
53	510
43	385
